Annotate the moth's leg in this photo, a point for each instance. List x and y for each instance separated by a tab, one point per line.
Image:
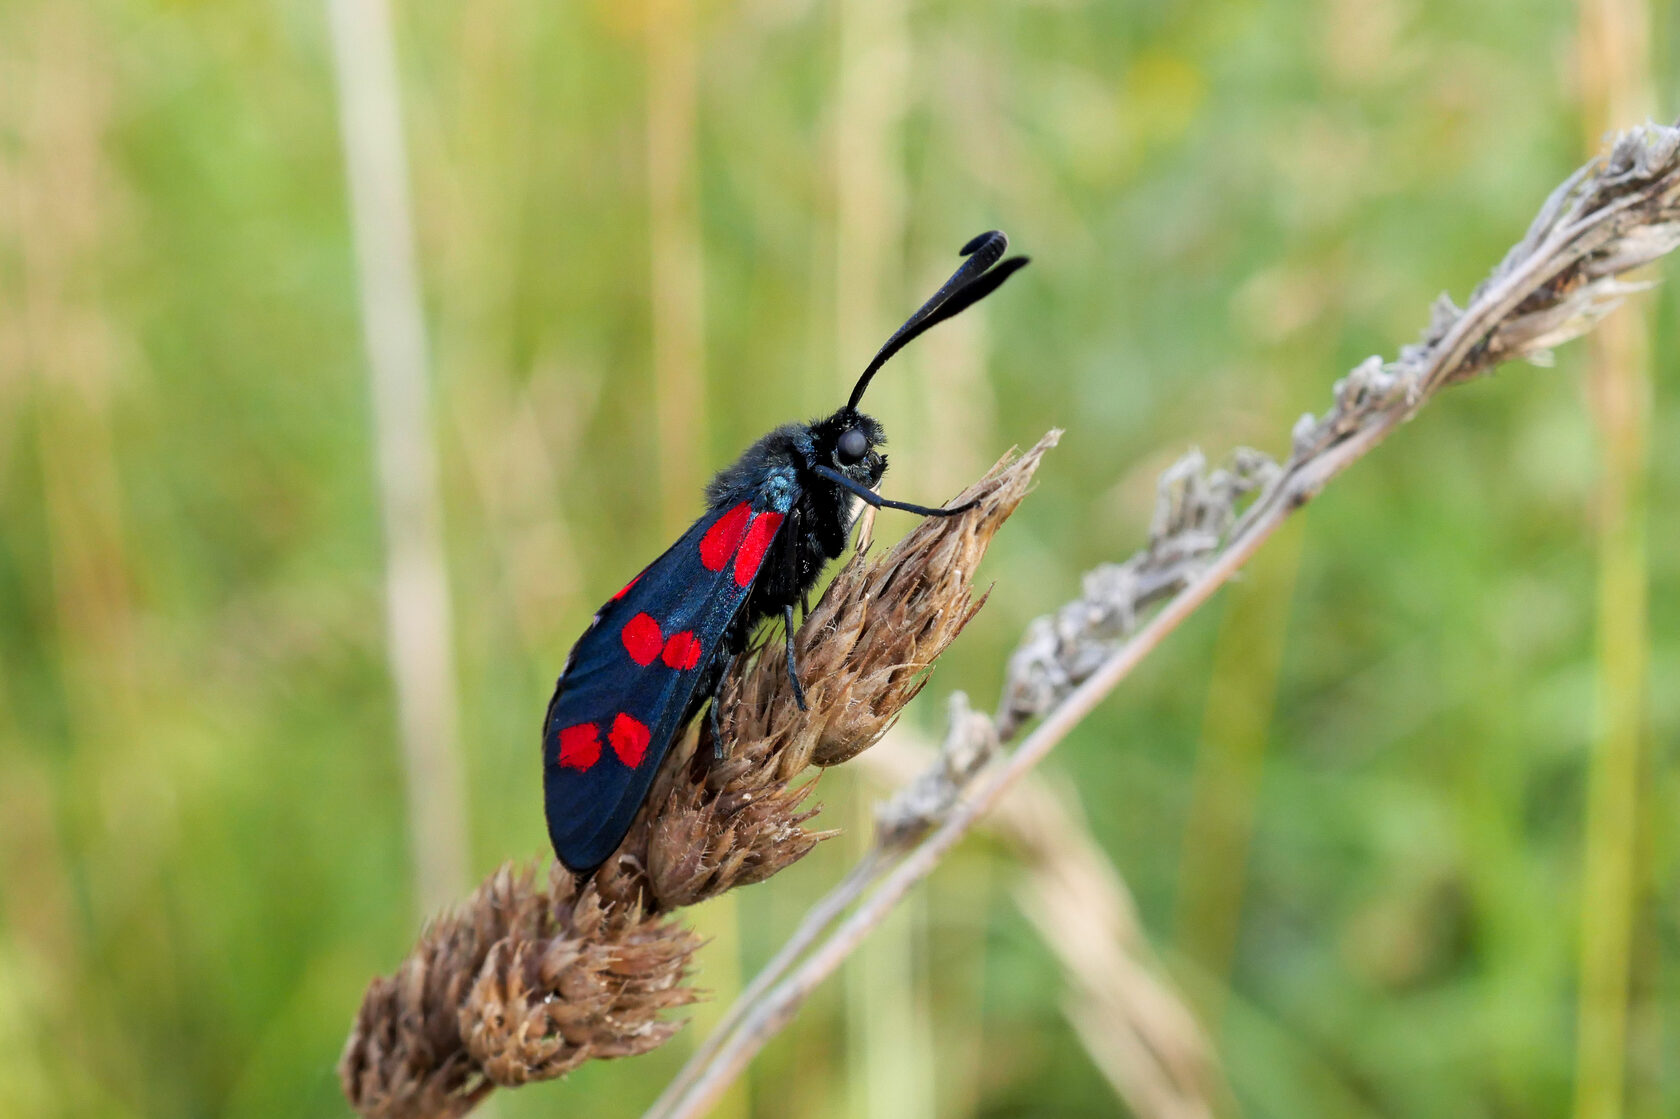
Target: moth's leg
792	665
793	564
719	750
790	551
790	560
880	502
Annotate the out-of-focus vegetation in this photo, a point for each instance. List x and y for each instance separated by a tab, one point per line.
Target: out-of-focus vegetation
1350	799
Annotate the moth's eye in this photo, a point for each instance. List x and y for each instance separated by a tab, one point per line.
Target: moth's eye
853	446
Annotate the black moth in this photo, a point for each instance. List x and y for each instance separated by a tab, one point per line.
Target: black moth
657	651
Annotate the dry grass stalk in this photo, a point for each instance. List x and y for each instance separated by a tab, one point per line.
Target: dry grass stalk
1137	1029
1194	510
419	630
525	982
1140	1033
1615	214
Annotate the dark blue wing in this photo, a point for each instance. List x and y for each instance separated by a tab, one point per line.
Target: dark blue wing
632	676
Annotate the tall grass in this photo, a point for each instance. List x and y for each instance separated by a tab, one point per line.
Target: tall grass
1616	83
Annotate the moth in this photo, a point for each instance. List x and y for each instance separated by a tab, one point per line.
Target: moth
658	650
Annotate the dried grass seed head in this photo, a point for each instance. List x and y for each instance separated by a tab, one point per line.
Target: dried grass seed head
520	983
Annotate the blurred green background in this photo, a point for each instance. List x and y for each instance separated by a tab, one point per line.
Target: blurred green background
1354	798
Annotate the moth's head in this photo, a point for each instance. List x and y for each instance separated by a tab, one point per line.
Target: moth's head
851	443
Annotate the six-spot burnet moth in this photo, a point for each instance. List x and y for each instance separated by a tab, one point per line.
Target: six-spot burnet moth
657	651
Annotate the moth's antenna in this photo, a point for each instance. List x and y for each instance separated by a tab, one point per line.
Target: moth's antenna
972	282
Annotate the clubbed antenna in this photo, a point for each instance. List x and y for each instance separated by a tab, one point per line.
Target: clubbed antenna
968	285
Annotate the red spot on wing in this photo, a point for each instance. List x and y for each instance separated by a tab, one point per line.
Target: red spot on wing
629	739
724	537
580	746
626	589
682	651
751	555
642	639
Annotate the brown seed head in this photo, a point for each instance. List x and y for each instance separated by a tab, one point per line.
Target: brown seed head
521	983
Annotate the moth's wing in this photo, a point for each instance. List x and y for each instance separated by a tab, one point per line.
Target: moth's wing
630	680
